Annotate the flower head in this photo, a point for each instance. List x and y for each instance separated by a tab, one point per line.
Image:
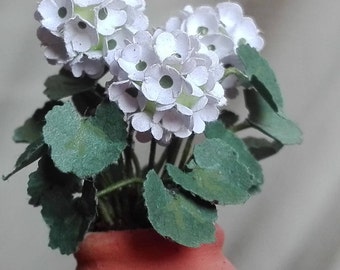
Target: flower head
175	79
87	31
226	20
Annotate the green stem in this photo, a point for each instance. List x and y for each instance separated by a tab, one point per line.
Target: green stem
173	150
152	154
241	126
128	153
136	164
105	212
234	71
119	185
186	151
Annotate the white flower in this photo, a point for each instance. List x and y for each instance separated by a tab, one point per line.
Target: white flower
136	57
146	121
202	21
54	13
55	51
80	34
114	43
222	45
125	94
138	4
225	20
136	20
174	45
177	123
246	30
91	31
162	84
86	3
175	79
230	14
109	17
90	64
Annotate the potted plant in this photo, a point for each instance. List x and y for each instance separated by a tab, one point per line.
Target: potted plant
122	86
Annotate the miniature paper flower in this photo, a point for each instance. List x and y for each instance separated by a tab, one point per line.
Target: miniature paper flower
161	84
202	22
230	14
178	78
108	18
136	57
90	64
80	34
144	121
55	12
246	30
226	20
91	31
55	51
114	43
125	94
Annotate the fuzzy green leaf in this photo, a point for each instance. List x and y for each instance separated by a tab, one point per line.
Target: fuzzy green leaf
65	85
222	175
47	178
261	76
217	130
264	118
177	216
67	215
262	148
85	146
33	152
31	130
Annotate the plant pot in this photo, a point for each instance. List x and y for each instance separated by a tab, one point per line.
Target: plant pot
144	249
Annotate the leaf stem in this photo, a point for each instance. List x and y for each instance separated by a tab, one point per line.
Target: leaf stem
128	153
136	163
152	154
241	126
186	151
119	185
106	215
173	150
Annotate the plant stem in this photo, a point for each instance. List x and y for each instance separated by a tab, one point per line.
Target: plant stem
240	126
106	215
152	154
186	151
136	163
128	153
119	185
173	150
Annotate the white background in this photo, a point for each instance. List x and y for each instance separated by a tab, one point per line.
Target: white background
294	224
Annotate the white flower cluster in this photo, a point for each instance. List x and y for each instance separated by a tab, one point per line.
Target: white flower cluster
221	29
167	83
83	34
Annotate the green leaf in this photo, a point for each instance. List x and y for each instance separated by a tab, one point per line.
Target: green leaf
262	148
48	178
85	146
217	130
221	174
33	152
277	126
261	76
31	130
65	84
210	185
181	218
67	215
